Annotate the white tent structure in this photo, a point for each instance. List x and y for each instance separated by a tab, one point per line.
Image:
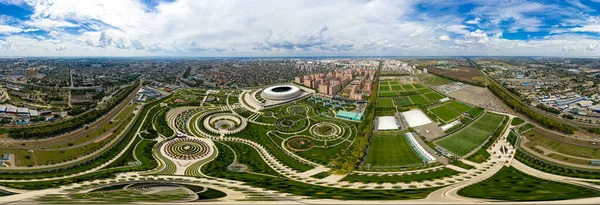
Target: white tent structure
387	123
415	118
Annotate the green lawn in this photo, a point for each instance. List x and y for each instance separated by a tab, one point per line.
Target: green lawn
418	86
434	80
423	91
459	106
391	150
517	121
433	96
388	94
395	82
384	88
432	175
471	137
408	87
383	83
397	88
513	185
475	112
385	102
445	113
418	99
538	139
403	101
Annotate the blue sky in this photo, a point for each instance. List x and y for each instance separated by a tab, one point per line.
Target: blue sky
299	28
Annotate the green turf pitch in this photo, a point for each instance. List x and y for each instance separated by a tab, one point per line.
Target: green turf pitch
388	94
394	82
397	88
471	137
384	88
391	150
445	113
408	87
418	86
459	106
425	90
385	102
433	96
418	99
402	101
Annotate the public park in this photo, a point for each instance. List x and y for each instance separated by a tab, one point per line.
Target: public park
408	143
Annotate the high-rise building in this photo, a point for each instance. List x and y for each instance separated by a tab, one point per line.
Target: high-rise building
32	72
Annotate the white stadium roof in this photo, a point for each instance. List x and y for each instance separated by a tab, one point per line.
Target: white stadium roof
387	123
415	118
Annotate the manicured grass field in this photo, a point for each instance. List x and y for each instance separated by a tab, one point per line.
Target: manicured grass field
471	137
397	88
526	127
423	91
401	178
459	106
475	112
391	150
388	94
433	96
403	101
418	86
445	113
394	82
434	80
513	185
408	87
517	121
384	88
383	83
385	102
418	99
537	139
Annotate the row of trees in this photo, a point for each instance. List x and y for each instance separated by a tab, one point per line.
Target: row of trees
71	124
349	159
519	106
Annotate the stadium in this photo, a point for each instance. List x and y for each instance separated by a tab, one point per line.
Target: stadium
281	92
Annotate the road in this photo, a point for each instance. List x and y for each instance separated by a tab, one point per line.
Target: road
71	136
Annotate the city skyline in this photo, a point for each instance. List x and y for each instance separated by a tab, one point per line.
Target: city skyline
299	28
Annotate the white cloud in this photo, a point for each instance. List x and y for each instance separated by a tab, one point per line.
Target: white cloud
458	29
588	28
49	24
6	29
444	38
474	21
303	27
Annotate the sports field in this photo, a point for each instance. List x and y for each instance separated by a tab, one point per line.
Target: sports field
385	102
408	87
384	88
403	101
397	88
471	137
459	106
391	150
418	86
433	96
445	113
418	99
425	90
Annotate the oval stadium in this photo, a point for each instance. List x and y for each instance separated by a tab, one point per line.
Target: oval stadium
281	92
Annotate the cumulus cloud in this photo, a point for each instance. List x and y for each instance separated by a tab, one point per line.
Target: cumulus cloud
458	29
474	21
444	38
303	27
